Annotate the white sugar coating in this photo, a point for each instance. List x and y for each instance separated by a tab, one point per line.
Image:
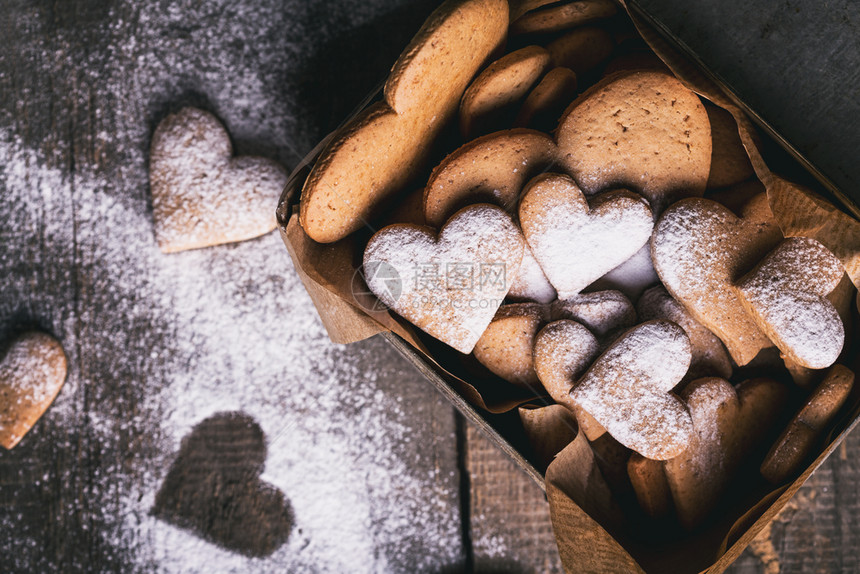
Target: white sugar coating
787	296
201	195
563	351
699	248
631	277
627	390
530	283
709	356
197	333
576	242
450	287
602	311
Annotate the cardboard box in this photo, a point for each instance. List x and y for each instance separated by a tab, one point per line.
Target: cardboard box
590	535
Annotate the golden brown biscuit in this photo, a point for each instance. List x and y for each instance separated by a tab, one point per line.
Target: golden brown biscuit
546	102
576	241
491	169
786	296
730	163
602	312
795	443
499	89
32	372
563	16
382	148
451	285
201	194
641	130
728	424
506	346
628	390
563	351
650	485
582	49
699	249
710	358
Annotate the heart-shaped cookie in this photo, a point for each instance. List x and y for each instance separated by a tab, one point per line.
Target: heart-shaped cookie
452	286
728	424
577	241
699	249
373	156
32	372
628	390
786	295
640	130
563	351
506	347
709	355
201	194
214	489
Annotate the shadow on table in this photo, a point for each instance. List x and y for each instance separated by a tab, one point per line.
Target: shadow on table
214	489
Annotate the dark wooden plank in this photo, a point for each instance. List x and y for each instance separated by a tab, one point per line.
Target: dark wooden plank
356	447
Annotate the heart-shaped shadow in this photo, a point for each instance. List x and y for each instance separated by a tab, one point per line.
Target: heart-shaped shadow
214	488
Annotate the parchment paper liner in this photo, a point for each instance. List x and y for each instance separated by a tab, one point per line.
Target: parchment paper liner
589	527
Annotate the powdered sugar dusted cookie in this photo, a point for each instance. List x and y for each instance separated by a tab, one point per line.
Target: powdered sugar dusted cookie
201	194
728	425
32	372
500	88
581	49
563	16
506	346
796	442
492	169
628	390
786	295
530	283
450	286
563	351
382	148
641	130
576	241
603	312
709	355
699	249
544	105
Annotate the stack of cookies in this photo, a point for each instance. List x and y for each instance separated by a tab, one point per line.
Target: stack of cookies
597	236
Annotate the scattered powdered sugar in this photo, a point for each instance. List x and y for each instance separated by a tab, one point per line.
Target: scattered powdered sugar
450	288
160	342
627	390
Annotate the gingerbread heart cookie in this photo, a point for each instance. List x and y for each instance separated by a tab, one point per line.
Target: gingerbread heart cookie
382	148
641	130
32	372
499	89
709	355
628	390
563	351
506	347
786	295
450	286
728	424
493	169
699	249
201	194
575	240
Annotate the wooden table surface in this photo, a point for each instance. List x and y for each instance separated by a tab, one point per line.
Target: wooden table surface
366	467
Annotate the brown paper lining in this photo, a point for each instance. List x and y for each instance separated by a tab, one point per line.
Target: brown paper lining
590	529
